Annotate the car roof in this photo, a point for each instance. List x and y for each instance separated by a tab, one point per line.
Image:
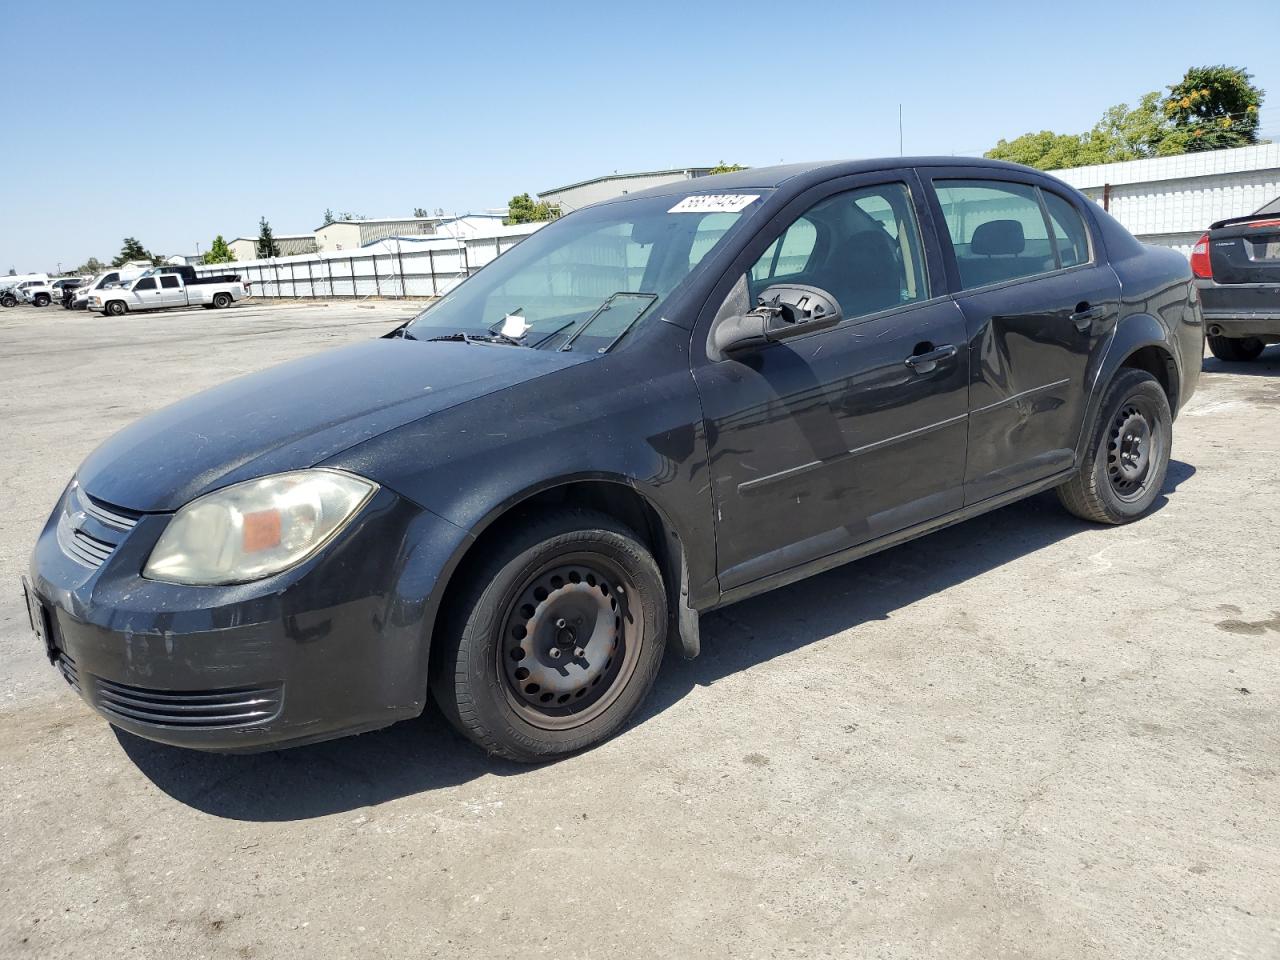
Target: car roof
810	173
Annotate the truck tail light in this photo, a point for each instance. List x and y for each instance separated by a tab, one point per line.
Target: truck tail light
1200	265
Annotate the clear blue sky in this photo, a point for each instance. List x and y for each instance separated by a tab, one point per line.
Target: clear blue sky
199	118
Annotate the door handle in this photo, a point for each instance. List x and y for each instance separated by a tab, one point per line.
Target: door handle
1085	315
928	360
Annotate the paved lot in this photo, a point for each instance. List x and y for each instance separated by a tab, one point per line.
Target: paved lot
1020	737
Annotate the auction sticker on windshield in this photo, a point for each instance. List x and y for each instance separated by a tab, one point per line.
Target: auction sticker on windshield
715	203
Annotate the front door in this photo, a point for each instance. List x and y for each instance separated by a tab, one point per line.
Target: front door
148	293
822	442
1037	299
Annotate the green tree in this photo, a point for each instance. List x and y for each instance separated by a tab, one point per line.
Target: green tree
1045	150
421	212
267	246
92	266
723	167
1144	131
329	217
131	250
13	272
219	252
1214	108
524	209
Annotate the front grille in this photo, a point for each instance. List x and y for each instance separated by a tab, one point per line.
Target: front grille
89	530
231	707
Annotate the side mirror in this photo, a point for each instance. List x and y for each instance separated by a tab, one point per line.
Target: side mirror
784	310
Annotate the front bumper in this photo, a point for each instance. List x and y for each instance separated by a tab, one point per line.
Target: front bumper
336	645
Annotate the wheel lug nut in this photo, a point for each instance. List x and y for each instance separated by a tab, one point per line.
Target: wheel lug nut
554	653
561	624
579	652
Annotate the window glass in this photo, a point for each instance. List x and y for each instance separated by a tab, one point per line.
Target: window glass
560	279
997	230
1068	230
862	247
167	281
147	283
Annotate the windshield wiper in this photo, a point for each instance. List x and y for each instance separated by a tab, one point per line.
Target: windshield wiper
634	306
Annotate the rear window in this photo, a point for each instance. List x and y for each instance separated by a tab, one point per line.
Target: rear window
167	281
997	230
1068	230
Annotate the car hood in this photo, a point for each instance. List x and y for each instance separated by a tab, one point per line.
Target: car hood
295	415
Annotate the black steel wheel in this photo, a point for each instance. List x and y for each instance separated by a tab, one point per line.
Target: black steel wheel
221	300
1121	474
8	300
570	641
554	638
1236	349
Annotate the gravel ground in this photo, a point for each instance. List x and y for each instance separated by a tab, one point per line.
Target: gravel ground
1020	737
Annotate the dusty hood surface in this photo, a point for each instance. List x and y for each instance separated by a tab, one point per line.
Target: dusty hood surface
297	414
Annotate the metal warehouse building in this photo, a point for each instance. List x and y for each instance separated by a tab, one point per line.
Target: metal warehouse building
354	234
1171	201
290	244
577	195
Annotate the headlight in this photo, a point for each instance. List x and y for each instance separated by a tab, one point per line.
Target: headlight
254	529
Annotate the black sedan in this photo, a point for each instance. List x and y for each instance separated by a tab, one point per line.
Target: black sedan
652	407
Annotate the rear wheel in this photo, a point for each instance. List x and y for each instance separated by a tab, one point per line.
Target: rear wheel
1121	475
555	641
221	300
42	299
115	308
1236	349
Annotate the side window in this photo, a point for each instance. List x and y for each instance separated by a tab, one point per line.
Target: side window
168	281
147	283
1068	230
862	247
997	230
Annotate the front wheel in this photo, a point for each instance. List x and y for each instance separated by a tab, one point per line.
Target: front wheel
555	640
8	301
1123	470
1236	349
115	308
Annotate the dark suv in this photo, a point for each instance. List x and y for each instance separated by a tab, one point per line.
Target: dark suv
1237	269
650	408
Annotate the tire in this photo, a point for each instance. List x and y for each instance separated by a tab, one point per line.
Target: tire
529	596
42	300
1236	349
1124	467
8	301
221	301
115	308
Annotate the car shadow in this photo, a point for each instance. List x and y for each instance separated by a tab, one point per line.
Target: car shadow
1267	364
424	754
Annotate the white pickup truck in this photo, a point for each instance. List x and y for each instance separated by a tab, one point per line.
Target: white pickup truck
166	288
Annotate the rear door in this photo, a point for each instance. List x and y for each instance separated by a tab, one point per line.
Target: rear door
171	291
823	442
1038	297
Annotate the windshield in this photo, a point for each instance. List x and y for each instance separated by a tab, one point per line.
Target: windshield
583	282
